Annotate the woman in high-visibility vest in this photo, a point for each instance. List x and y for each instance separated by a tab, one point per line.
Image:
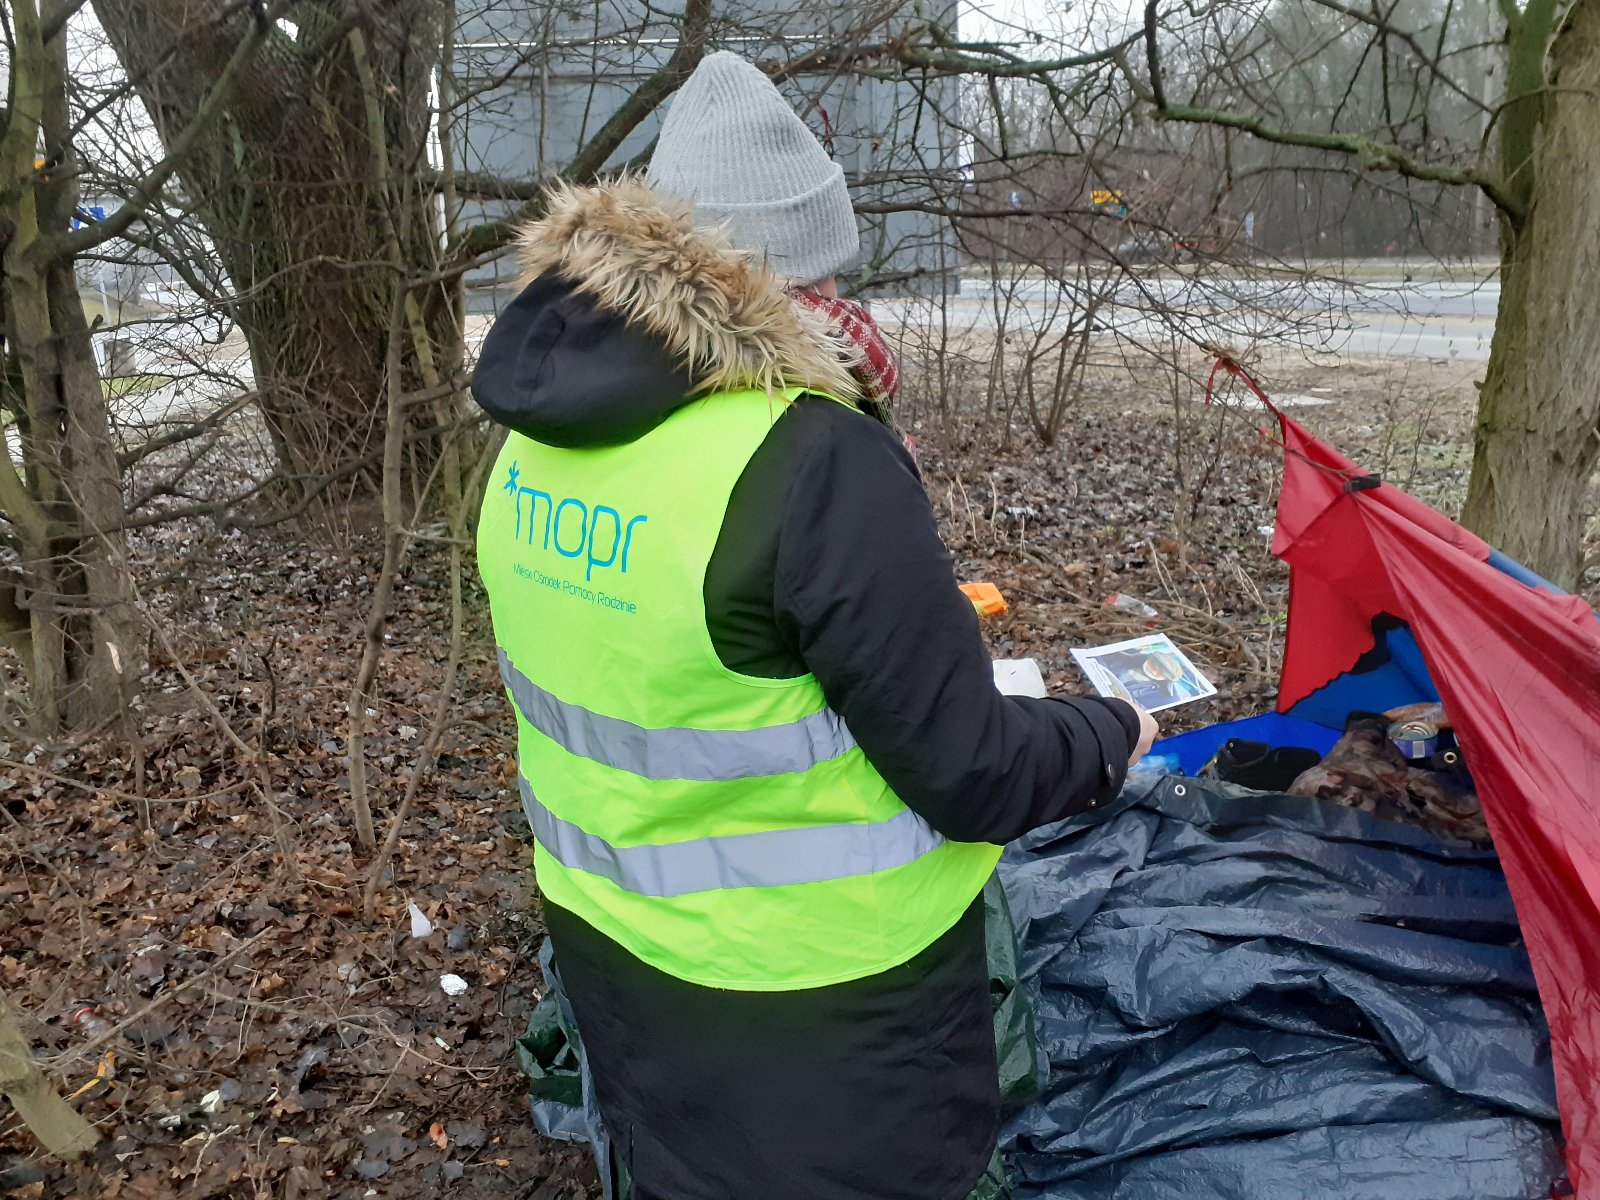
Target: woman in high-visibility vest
759	743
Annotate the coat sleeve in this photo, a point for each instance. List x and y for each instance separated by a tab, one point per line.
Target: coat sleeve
866	592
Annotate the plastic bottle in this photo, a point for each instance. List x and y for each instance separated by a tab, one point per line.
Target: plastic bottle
1128	604
1153	765
83	1018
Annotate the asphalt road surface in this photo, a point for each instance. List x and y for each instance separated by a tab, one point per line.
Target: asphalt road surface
1382	316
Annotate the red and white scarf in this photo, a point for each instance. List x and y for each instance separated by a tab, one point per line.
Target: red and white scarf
875	371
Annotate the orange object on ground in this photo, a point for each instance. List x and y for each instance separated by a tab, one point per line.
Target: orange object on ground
985	597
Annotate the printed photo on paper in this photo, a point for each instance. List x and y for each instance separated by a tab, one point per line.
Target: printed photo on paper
1149	671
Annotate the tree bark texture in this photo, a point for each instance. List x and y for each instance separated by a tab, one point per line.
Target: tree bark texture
1538	431
57	1125
65	504
285	188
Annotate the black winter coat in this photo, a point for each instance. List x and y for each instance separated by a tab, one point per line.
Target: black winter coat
828	562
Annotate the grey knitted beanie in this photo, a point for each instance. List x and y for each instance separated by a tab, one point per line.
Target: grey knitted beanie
732	144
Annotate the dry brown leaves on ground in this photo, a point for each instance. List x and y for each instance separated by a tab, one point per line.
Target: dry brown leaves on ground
241	1032
238	1031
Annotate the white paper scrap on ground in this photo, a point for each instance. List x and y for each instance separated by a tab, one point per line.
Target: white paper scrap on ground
453	985
1019	677
421	927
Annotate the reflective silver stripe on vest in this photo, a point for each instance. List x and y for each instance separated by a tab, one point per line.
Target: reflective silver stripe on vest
702	754
768	859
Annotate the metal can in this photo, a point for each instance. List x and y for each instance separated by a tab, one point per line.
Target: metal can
1414	739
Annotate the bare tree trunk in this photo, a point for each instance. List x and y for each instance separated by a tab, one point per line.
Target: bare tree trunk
66	504
283	189
1538	435
76	581
57	1125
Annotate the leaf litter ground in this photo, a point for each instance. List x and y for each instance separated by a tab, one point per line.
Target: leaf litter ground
235	1028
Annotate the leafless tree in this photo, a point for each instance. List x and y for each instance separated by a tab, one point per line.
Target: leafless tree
60	486
1531	148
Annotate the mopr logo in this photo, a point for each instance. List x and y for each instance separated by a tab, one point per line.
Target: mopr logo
572	523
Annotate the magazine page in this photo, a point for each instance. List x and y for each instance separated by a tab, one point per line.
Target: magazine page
1149	671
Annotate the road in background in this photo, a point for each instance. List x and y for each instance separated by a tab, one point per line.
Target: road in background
1386	317
183	369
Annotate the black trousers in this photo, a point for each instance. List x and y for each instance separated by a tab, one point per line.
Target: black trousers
879	1089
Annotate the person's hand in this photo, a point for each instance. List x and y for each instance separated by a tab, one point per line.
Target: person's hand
1148	729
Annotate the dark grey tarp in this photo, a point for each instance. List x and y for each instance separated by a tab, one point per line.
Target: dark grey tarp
1240	996
1249	996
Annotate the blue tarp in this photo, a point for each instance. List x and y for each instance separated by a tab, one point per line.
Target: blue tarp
1250	996
1194	749
1246	996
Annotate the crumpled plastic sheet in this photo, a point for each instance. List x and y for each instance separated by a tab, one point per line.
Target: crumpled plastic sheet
1246	996
561	1096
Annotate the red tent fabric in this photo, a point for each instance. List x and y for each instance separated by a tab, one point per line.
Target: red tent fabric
1518	671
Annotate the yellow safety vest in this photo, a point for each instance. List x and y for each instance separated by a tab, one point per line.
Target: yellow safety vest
724	828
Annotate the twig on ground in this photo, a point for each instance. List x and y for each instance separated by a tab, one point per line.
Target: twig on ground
246	754
77	1053
105	793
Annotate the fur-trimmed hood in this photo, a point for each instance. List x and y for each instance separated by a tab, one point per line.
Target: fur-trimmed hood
628	310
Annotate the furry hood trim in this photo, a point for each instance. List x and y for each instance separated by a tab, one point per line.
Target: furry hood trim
720	312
